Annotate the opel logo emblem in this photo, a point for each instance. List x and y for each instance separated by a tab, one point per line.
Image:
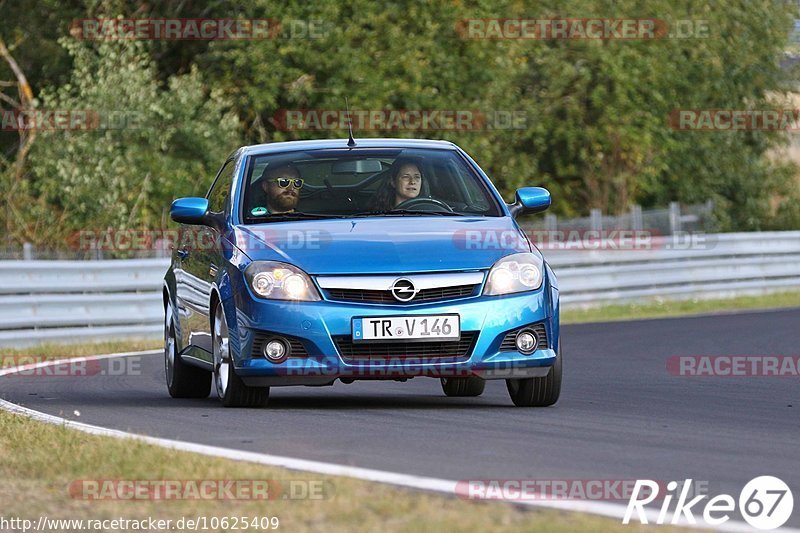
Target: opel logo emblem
403	290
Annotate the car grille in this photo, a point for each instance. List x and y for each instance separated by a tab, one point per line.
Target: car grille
509	341
424	295
261	337
441	351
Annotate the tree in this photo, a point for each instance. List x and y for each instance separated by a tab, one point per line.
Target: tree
146	145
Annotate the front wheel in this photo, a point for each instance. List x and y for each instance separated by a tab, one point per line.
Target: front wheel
463	387
183	381
231	390
537	392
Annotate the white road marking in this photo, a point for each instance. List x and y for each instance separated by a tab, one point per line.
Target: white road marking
444	486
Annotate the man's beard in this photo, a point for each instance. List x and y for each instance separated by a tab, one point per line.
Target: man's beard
285	201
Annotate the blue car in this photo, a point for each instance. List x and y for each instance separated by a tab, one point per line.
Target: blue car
309	262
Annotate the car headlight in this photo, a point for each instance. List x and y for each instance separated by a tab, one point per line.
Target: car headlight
515	273
280	281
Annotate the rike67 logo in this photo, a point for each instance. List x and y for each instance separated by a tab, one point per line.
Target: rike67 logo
765	502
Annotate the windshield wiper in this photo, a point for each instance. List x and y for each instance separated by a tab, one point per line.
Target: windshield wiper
414	212
278	217
284	217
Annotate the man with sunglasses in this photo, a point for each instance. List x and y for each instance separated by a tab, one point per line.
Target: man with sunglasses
282	186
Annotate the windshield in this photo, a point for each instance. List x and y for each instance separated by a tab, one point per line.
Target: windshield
363	183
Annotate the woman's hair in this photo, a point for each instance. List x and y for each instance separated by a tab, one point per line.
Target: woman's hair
387	191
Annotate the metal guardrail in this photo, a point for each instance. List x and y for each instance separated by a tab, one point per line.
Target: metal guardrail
714	266
62	301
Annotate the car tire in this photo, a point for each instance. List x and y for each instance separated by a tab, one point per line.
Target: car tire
231	390
183	381
537	392
463	387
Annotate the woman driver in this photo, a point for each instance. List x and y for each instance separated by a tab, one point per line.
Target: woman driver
404	183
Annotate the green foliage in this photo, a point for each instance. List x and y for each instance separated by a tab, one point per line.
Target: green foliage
596	130
153	143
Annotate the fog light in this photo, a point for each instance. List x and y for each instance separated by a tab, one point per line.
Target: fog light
276	350
526	341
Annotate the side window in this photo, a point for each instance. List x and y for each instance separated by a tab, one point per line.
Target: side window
221	189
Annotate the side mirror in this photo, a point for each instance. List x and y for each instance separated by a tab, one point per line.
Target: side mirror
189	210
530	200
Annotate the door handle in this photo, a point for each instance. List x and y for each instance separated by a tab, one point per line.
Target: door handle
183	253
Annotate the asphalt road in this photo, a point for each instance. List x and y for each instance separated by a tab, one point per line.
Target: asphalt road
621	414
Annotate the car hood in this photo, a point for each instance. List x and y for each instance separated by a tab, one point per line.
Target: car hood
383	244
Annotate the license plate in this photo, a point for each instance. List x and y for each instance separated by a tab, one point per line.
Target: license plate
402	328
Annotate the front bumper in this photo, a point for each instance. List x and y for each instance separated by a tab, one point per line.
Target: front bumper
317	324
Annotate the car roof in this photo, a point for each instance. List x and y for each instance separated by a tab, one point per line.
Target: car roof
322	144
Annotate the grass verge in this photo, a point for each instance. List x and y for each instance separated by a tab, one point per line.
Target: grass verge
60	351
44	468
676	308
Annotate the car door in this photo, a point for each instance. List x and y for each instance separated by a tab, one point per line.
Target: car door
199	263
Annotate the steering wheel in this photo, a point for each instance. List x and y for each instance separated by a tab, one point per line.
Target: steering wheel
420	204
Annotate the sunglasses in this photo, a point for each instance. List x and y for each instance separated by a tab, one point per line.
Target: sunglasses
285	182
